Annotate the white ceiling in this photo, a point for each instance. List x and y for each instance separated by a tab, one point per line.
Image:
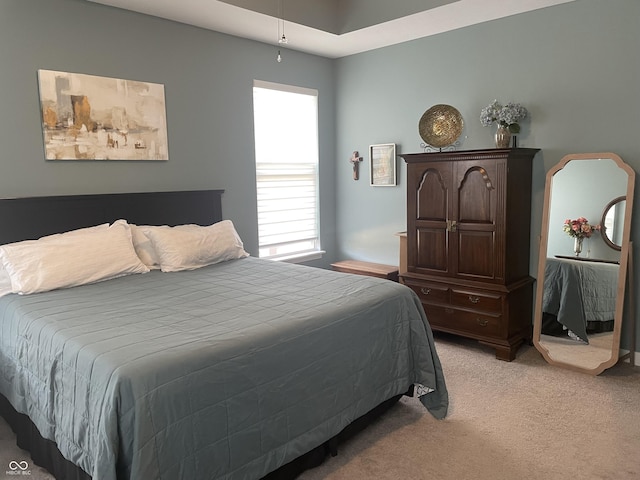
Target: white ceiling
226	18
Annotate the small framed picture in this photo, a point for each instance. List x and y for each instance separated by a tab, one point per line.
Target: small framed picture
382	165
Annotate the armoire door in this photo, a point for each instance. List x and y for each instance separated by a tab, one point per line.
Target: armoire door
429	212
478	240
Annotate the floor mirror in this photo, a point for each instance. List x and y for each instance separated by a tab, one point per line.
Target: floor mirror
584	257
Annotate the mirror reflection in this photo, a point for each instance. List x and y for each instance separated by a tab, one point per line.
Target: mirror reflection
613	222
580	280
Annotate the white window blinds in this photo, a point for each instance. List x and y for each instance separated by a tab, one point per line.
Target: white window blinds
286	144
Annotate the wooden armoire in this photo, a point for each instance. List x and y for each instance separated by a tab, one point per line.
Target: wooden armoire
468	242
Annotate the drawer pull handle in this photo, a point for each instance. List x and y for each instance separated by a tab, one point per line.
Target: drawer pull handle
482	323
473	299
425	291
448	311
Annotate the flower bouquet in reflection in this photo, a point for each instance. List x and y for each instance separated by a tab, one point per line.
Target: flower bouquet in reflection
579	229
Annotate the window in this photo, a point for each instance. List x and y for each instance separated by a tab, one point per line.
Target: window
286	139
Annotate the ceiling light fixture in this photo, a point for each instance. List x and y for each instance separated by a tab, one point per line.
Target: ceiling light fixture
282	38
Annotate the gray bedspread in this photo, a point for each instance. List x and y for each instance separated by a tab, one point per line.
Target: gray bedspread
229	371
579	291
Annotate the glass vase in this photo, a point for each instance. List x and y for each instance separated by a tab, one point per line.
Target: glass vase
503	137
577	245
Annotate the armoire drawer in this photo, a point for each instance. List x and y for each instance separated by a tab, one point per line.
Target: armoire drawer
462	320
477	300
431	293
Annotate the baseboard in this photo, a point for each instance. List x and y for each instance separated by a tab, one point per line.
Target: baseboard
624	352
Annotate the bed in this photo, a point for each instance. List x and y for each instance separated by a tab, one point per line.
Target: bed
579	297
244	368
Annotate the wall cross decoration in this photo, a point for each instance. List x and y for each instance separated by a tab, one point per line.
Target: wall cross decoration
355	160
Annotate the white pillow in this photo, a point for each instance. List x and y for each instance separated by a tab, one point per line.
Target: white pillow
144	247
187	247
80	231
72	258
5	281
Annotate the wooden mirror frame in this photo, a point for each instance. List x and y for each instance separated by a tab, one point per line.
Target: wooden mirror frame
622	274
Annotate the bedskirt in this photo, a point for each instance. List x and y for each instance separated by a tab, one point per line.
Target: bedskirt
551	326
45	453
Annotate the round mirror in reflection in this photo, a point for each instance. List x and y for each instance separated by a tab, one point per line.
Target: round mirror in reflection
612	223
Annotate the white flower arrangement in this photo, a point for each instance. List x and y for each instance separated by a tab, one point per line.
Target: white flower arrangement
506	115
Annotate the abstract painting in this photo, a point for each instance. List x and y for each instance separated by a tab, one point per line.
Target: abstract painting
85	117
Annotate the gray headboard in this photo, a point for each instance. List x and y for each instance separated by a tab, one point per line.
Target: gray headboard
30	218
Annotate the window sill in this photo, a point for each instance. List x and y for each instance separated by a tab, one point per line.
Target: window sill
299	257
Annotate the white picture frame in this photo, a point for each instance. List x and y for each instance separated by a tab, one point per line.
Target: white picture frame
382	165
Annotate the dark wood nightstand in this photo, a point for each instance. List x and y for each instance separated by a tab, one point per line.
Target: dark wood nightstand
390	272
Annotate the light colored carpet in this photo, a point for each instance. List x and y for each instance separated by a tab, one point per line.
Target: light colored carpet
507	421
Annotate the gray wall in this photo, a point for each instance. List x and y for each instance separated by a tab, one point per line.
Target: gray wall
208	79
574	66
